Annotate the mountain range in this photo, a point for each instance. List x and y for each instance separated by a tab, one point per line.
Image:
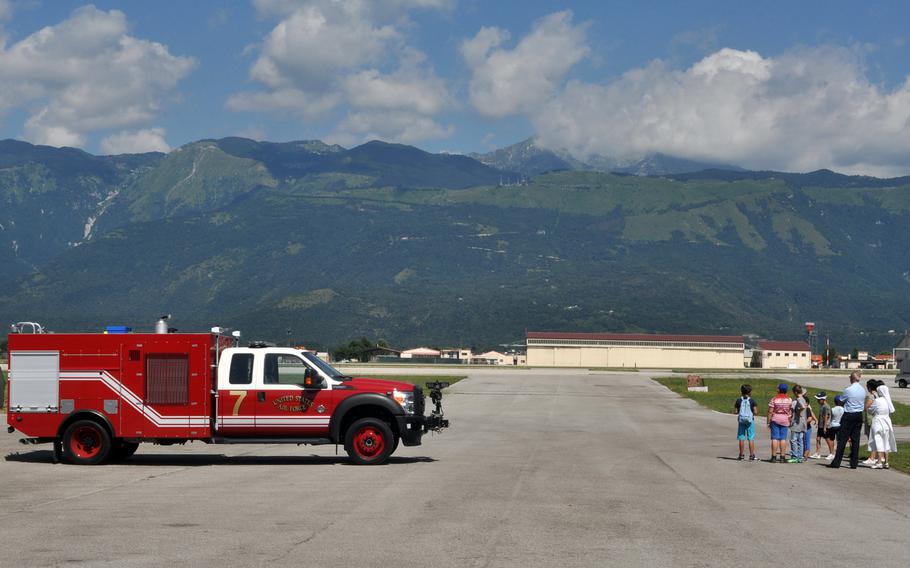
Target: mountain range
320	244
528	158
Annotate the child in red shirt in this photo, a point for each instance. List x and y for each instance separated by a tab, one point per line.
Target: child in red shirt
779	411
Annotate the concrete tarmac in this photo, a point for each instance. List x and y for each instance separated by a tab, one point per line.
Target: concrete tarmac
540	468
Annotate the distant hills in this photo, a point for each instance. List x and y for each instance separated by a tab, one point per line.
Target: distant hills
388	241
527	158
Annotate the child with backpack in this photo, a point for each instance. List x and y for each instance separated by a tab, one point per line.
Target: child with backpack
746	409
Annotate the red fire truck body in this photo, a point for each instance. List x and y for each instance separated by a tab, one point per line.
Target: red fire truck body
97	396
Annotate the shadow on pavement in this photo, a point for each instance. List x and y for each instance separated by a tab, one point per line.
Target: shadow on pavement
193	460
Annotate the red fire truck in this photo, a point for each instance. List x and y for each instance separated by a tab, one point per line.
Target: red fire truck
97	396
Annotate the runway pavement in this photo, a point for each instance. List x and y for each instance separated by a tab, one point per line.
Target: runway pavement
540	468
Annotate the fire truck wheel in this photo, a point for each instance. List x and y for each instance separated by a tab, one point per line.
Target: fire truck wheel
85	442
369	441
123	450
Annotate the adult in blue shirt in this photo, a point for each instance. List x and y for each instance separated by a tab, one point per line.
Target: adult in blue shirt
852	422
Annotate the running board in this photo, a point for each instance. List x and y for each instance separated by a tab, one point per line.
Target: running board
298	441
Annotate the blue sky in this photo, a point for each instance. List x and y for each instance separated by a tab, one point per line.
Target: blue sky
778	85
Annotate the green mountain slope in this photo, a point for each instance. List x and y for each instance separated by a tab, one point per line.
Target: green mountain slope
50	198
333	257
196	177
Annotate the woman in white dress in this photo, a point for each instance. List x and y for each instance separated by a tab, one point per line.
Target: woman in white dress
881	435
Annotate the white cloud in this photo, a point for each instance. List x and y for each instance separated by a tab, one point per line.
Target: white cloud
86	74
291	100
135	142
6	10
325	56
283	8
399	106
309	47
411	87
509	81
803	110
398	126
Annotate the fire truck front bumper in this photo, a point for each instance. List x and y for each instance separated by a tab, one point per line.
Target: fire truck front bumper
411	428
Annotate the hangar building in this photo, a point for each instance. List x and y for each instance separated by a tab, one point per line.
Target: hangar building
783	355
562	349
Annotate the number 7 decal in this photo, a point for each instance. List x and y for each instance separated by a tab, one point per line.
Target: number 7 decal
241	395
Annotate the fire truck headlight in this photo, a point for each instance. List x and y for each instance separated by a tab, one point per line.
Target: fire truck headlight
405	399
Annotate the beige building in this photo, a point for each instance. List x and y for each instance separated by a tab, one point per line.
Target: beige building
561	349
420	353
497	358
783	355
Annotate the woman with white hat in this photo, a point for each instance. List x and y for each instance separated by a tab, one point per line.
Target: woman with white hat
881	435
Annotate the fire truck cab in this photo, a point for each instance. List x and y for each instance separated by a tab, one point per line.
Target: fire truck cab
96	396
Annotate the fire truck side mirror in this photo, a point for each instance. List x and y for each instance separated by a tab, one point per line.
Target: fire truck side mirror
312	380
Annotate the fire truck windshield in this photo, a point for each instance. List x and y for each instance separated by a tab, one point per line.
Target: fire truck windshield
325	367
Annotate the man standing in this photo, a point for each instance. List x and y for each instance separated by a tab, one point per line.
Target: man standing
852	422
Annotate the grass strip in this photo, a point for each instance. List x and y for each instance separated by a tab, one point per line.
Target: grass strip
722	393
900	460
769	371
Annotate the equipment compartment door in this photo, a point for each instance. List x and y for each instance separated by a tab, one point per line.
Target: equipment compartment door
284	408
34	379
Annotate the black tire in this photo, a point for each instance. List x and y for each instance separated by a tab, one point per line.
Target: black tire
123	450
369	441
86	442
902	383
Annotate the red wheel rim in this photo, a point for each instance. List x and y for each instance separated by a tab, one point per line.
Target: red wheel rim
86	442
368	442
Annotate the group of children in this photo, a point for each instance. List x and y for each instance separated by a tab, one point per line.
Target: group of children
790	420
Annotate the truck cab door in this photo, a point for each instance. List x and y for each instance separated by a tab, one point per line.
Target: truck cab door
284	408
237	396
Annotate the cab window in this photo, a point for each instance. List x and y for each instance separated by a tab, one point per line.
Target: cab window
284	370
241	369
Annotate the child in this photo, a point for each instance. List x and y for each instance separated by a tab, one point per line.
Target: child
811	421
798	424
824	422
779	411
836	414
746	409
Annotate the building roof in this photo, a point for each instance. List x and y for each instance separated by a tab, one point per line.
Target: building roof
783	346
635	337
421	351
489	354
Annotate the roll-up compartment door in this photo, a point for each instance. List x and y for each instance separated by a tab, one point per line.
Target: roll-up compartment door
34	381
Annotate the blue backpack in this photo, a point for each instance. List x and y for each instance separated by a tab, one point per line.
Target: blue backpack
746	417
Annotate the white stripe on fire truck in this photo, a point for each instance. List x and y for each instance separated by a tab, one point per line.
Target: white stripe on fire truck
183	421
273	420
135	401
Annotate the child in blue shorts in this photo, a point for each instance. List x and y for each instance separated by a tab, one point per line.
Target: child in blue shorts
779	411
746	410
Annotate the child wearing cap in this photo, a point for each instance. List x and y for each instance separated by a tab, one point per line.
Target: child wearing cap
779	411
836	414
824	422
